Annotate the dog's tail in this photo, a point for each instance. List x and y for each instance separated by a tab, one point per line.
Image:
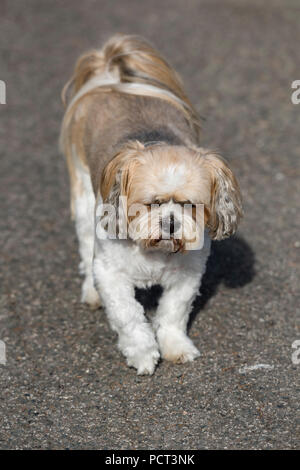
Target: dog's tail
129	64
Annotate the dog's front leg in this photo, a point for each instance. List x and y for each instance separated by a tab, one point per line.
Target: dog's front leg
126	317
170	322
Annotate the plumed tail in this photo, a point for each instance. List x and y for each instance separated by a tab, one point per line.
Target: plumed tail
129	64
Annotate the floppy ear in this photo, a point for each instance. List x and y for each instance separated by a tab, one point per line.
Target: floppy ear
115	182
110	187
225	208
117	175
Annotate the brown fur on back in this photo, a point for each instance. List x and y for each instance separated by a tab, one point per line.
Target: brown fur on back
114	119
135	61
105	118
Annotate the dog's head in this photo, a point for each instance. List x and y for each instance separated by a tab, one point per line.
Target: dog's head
169	194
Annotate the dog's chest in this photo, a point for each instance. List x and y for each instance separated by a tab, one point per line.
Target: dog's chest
149	270
146	269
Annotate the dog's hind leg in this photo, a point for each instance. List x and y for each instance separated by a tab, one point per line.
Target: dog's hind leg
84	205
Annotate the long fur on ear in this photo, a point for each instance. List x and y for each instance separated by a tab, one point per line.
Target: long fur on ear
116	181
226	202
117	175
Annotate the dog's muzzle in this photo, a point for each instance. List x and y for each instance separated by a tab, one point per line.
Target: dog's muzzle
170	227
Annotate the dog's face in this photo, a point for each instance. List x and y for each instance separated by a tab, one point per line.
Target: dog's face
171	193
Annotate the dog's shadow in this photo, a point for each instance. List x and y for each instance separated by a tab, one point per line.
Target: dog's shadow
231	262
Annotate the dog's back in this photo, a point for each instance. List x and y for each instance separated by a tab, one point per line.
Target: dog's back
128	64
131	93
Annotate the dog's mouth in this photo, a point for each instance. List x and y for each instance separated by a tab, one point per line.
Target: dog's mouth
171	245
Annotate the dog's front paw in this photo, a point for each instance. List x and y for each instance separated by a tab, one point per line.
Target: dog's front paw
138	344
145	362
89	294
176	346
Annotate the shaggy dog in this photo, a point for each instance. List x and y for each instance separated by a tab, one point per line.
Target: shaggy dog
146	198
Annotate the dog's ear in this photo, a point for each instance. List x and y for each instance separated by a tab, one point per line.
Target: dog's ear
115	190
225	208
110	186
118	174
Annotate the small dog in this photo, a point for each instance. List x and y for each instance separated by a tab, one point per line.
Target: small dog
130	134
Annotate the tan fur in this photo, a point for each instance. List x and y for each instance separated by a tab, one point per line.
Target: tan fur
126	163
142	173
135	61
73	141
100	124
224	188
86	66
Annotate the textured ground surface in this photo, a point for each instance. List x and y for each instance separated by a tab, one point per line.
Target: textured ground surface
65	384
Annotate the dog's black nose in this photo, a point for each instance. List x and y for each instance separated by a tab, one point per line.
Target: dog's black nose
172	224
169	225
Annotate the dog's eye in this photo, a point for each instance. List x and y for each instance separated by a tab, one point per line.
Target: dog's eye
182	203
149	204
156	201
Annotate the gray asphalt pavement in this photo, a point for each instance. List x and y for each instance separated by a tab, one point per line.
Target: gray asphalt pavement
65	385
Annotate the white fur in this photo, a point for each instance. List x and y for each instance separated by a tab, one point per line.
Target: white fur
148	90
121	265
114	267
84	219
173	177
